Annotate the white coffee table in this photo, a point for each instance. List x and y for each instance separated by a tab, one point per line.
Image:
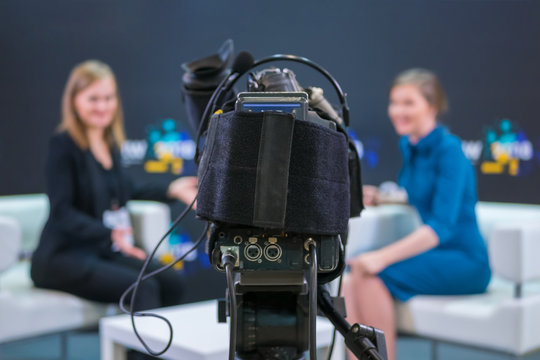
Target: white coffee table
197	334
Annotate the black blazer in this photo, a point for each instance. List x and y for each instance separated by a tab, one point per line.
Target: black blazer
74	235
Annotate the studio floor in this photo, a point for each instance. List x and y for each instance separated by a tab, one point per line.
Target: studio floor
85	346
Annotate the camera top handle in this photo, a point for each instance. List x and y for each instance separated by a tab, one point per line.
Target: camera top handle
299	59
244	63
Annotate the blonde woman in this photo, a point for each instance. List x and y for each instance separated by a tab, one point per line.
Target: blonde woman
446	255
85	246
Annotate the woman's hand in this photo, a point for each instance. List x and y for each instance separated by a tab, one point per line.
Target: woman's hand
370	195
119	236
370	263
184	189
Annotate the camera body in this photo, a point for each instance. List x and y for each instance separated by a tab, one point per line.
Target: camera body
273	181
270	143
264	249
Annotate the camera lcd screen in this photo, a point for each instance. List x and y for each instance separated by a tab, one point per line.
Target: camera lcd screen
293	108
292	103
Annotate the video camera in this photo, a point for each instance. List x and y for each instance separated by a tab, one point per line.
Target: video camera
278	180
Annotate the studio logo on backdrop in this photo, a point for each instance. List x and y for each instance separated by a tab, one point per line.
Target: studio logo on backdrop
504	150
165	149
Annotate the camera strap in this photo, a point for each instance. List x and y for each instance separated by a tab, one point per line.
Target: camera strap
258	169
271	186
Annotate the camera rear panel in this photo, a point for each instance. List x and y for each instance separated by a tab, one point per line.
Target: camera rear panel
256	249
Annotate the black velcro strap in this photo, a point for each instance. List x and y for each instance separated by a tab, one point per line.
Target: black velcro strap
318	189
273	170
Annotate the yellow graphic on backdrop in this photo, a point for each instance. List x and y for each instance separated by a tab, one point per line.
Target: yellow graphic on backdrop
504	148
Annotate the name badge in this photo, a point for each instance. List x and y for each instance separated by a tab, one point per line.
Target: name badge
118	219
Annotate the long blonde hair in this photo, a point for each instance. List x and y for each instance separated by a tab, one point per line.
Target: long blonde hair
82	76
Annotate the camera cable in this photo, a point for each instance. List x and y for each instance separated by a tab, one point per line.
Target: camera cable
133	289
228	259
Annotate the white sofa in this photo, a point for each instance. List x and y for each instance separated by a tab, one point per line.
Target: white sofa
507	317
26	311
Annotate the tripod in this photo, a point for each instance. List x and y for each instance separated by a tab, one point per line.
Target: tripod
265	317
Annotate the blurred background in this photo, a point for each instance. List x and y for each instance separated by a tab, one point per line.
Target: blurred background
486	53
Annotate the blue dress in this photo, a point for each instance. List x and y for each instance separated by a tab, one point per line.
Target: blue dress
441	185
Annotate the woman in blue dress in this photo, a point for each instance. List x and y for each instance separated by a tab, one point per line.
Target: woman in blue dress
444	256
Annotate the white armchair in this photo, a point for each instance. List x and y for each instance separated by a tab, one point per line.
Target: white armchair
504	319
27	311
